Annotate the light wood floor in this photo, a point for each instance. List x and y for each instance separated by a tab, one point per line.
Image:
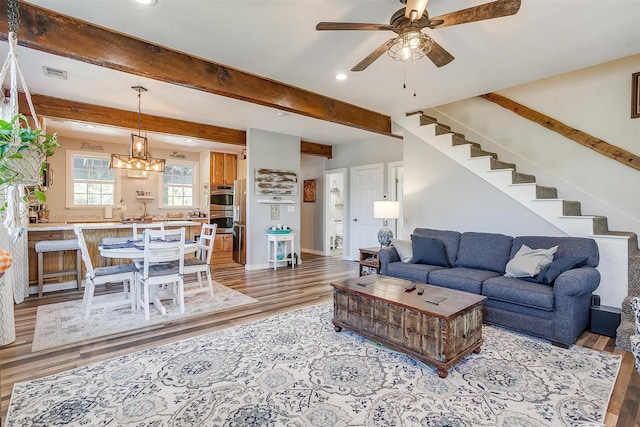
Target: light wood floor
277	292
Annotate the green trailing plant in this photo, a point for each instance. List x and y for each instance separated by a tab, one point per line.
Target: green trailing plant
11	155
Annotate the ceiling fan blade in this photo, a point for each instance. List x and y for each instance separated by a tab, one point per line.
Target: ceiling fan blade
491	10
438	55
414	9
322	26
372	56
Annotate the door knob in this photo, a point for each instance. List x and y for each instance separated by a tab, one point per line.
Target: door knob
355	219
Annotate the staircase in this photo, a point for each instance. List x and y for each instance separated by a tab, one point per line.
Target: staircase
619	255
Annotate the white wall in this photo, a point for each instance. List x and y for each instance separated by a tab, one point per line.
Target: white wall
596	100
272	151
438	193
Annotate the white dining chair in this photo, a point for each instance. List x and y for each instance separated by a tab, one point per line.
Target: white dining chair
152	226
202	261
123	273
163	265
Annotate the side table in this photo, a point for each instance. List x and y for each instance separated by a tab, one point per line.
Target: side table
272	248
369	258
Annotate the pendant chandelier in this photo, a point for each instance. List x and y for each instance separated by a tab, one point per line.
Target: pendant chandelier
139	157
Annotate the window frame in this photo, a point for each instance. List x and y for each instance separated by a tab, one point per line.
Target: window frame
195	185
69	183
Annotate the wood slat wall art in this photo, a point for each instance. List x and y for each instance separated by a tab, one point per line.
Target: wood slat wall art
616	153
61	35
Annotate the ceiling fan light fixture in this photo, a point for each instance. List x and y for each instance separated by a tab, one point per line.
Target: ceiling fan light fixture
410	46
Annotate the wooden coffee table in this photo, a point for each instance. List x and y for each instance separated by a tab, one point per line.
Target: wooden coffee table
440	332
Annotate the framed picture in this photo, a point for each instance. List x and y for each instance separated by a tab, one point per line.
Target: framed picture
635	95
309	190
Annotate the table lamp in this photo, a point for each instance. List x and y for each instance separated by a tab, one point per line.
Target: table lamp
385	209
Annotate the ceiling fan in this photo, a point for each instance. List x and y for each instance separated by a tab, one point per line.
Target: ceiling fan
408	22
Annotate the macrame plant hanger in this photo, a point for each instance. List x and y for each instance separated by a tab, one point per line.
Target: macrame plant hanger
28	168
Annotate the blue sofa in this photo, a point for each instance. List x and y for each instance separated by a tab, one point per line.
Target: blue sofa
557	310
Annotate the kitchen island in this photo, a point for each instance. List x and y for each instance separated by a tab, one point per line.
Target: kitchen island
94	232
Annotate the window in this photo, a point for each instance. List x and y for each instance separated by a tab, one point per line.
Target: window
93	184
178	185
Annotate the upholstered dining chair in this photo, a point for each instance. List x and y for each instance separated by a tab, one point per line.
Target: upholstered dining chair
163	265
202	261
124	273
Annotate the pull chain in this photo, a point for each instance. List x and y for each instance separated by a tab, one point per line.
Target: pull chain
414	75
404	75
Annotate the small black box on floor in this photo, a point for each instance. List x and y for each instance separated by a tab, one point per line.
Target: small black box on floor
605	320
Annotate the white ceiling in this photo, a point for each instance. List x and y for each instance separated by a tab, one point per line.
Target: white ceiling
277	39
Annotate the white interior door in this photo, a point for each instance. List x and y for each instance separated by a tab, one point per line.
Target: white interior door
366	187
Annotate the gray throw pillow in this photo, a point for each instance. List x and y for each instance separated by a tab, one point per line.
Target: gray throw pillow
429	251
528	262
404	249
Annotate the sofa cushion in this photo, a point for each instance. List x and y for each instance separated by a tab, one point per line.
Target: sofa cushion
427	250
484	251
404	249
451	240
416	272
462	279
528	262
516	291
551	272
567	246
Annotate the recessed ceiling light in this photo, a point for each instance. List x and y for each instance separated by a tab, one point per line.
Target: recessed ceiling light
148	2
90	126
188	140
281	114
341	76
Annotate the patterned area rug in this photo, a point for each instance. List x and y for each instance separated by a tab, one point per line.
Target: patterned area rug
295	370
63	323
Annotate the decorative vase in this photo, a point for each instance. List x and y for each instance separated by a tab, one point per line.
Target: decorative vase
280	251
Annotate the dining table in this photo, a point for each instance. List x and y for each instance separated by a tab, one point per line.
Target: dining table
134	250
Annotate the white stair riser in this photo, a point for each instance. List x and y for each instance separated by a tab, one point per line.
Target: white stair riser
613	264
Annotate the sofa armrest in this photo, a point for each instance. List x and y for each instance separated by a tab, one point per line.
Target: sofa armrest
387	255
578	281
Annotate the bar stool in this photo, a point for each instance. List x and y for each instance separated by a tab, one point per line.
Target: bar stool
58	246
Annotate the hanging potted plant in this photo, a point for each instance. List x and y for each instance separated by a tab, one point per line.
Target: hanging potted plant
23	154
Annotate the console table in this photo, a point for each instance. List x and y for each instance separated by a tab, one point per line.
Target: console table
272	248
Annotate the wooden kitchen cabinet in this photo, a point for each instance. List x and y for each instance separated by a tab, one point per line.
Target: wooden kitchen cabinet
222	247
223	168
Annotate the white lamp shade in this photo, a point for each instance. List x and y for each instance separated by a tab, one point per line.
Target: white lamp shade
386	209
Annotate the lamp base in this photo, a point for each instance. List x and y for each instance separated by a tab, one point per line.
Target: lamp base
384	236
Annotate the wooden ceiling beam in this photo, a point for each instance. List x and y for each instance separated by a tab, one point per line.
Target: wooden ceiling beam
48	106
72	110
47	31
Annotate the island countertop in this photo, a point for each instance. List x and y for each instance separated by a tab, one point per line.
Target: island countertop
69	226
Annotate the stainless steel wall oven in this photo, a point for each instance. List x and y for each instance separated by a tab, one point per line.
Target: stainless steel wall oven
221	198
221	208
223	219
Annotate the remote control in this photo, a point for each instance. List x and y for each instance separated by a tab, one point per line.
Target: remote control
410	287
420	291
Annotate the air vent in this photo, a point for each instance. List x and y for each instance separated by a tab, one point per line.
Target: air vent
52	72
